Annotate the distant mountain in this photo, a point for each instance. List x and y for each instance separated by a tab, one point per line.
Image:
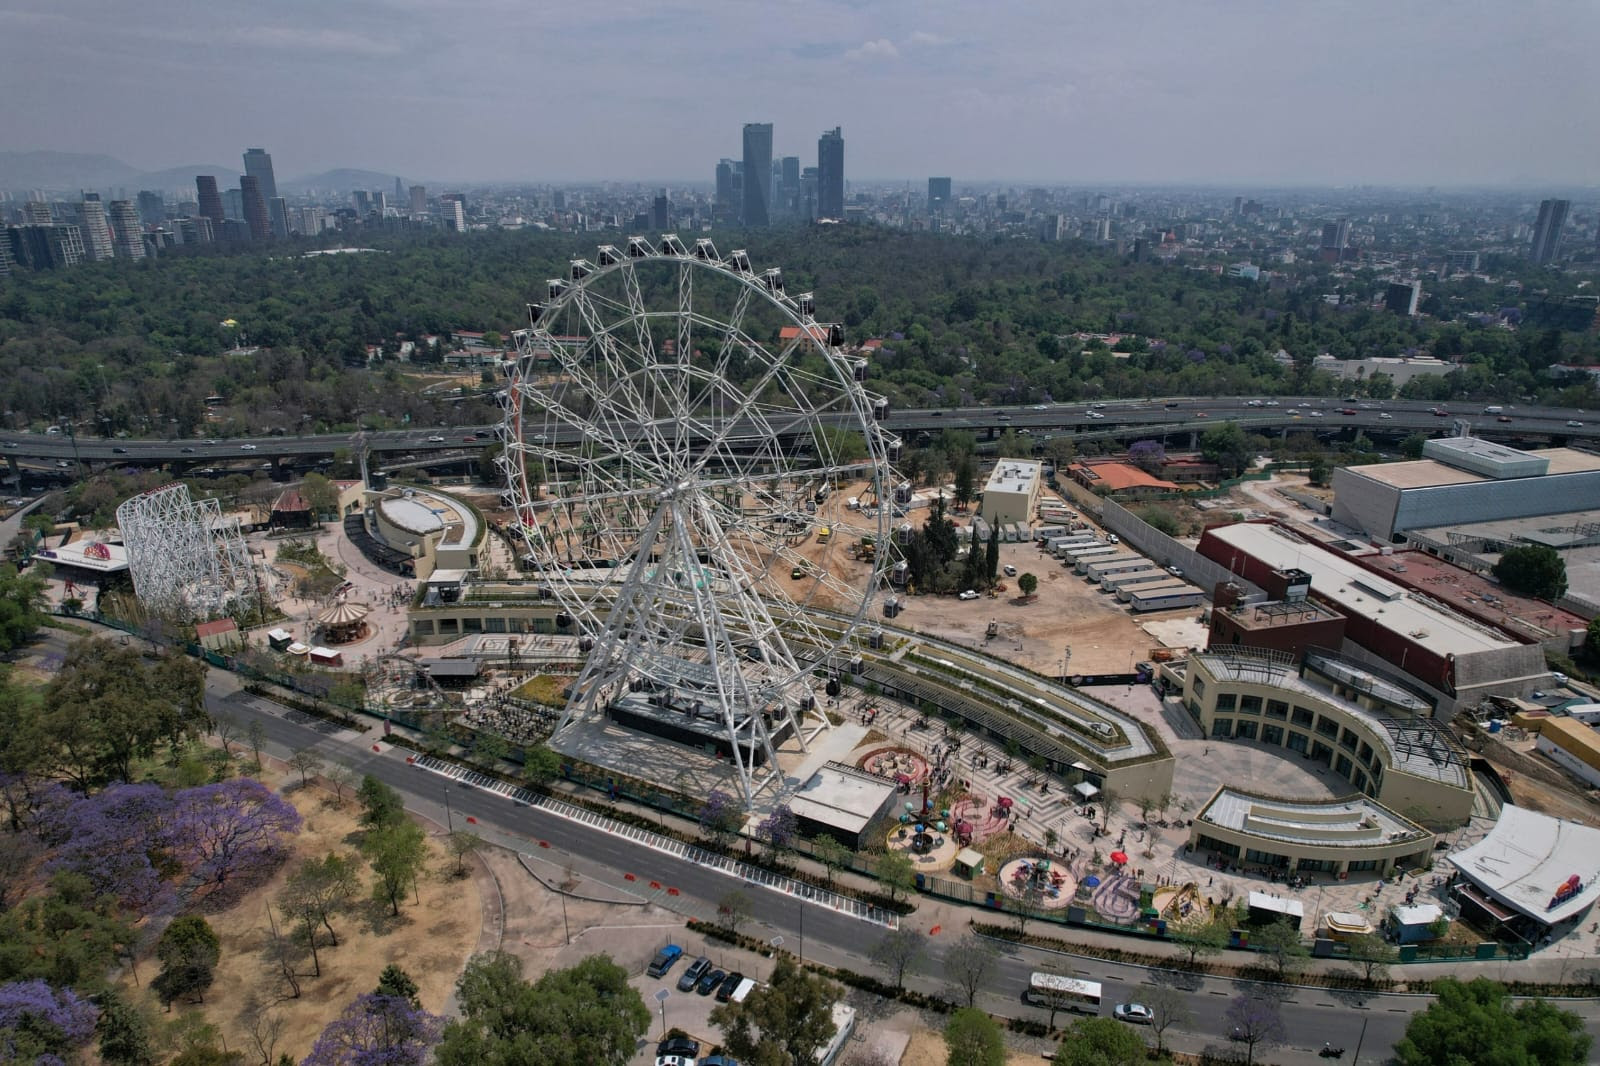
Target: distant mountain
342	180
68	173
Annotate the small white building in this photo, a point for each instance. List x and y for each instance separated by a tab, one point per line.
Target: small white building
1012	493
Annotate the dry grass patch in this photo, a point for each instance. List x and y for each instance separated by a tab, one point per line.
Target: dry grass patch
430	940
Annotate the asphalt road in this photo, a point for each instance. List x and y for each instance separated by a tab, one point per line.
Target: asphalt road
1117	418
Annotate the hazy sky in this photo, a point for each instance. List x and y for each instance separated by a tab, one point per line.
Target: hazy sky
1047	90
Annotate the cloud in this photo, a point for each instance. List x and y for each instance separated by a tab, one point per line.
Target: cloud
882	48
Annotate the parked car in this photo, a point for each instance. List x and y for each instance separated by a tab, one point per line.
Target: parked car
710	981
664	960
729	983
970	594
1134	1013
686	1046
1010	570
691	977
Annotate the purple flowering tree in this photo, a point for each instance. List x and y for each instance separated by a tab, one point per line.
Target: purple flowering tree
377	1030
237	827
720	816
778	828
1148	455
41	1024
117	840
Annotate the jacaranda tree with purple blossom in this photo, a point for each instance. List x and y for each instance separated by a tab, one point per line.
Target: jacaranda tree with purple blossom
778	828
41	1024
229	829
720	815
377	1030
118	840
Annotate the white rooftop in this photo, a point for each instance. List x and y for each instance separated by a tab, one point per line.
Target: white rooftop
1265	901
1416	913
412	515
1528	856
1014	475
1352	588
847	801
1355	821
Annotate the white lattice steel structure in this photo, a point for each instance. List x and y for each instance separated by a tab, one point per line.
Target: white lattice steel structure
186	560
673	421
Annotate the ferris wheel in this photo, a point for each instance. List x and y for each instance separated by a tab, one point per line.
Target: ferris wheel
681	437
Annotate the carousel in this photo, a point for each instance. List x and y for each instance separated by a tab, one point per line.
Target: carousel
344	623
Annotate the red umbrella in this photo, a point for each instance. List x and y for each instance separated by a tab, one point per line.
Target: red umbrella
1119	857
1004	802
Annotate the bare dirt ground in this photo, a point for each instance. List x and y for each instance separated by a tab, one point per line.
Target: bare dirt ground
927	1048
430	940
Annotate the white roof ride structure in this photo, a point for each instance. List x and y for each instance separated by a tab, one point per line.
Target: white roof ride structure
1526	859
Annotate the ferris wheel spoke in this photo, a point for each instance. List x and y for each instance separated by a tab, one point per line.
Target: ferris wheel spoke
637	405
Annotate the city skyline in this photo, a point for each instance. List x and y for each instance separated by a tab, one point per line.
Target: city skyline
1205	94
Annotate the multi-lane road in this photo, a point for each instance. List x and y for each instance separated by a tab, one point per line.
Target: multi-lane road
1119	419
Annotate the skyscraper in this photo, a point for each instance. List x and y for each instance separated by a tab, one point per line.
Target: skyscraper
757	169
205	187
258	165
419	199
152	208
661	211
938	195
255	208
278	215
830	174
399	191
127	236
96	233
1547	231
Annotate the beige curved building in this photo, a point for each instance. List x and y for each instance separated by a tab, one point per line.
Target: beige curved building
1373	733
1351	835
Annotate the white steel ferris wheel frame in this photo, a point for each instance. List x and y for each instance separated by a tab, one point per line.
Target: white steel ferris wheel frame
662	462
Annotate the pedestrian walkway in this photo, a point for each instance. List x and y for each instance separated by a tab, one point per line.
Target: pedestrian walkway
746	872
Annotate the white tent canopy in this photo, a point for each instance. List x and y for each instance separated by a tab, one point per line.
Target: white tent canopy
1086	790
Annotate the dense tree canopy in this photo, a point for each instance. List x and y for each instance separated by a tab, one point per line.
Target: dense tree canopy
1476	1024
141	346
1533	570
587	1014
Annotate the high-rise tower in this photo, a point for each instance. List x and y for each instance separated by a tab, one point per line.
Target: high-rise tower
255	208
938	195
757	171
830	174
258	164
1547	231
96	233
127	235
205	187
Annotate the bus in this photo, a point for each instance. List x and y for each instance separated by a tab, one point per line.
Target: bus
1055	992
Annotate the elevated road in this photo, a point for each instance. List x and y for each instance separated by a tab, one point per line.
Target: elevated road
1113	420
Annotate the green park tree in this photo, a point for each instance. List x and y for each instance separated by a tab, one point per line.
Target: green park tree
896	873
1532	570
787	1020
1229	447
397	853
585	1015
1477	1022
189	951
1101	1042
381	805
1028	584
971	1038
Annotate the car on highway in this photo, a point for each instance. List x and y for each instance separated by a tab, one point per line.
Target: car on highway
708	983
691	977
208	442
1503	418
1385	414
247	447
970	594
481	434
1272	403
1133	1013
11	444
186	451
436	439
1574	423
63	464
119	451
1096	414
1347	410
470	440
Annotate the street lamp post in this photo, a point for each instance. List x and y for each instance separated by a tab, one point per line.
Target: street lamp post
661	998
449	820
